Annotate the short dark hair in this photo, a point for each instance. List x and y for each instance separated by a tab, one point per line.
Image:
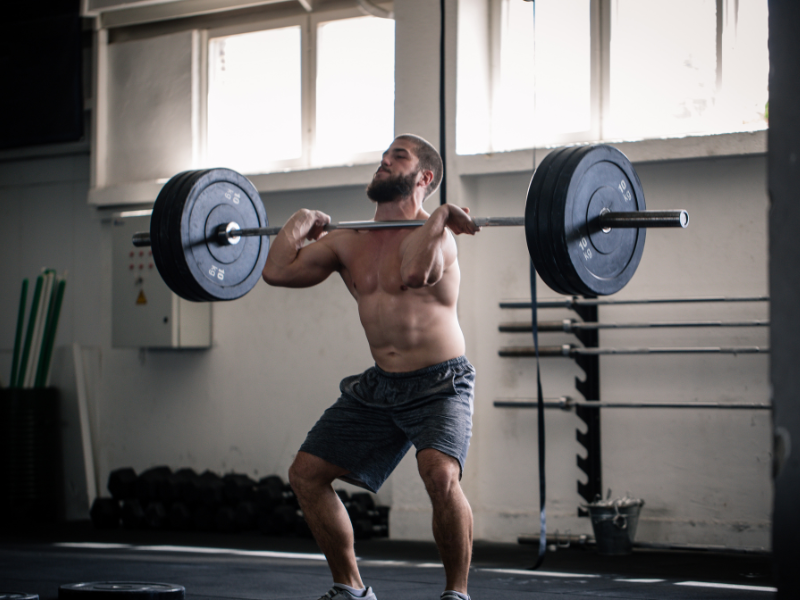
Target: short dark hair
429	159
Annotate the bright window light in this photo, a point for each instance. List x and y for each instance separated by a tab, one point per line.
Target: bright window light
355	88
667	77
743	93
561	82
663	67
254	99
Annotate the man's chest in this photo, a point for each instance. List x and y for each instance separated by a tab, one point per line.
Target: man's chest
371	261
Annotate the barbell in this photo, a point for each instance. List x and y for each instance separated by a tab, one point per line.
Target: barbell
584	225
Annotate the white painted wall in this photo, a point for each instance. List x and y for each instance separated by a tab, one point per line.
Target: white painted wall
704	475
278	355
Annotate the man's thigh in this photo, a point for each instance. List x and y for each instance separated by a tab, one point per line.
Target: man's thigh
362	440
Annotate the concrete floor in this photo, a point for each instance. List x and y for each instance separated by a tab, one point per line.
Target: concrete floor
251	566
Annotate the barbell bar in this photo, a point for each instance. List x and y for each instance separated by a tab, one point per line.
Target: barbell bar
567	403
585	221
579	302
571	351
571	325
230	233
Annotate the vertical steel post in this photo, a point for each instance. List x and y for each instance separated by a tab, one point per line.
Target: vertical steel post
589	387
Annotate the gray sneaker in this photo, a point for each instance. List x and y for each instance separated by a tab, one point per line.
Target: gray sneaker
451	595
336	593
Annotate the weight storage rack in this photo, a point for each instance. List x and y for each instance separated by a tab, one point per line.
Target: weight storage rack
587	356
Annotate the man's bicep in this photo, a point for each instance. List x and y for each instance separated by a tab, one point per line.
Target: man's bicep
314	264
317	261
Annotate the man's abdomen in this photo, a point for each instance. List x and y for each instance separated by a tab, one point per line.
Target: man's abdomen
406	334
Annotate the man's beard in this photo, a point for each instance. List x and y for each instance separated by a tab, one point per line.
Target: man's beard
390	188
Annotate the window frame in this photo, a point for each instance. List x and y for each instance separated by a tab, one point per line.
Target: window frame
308	46
596	70
600	90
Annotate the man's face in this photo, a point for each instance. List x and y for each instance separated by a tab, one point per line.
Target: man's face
397	174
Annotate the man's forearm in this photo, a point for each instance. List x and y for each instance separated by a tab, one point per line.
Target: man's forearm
423	260
286	246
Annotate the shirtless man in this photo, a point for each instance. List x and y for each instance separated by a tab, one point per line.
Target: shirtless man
420	390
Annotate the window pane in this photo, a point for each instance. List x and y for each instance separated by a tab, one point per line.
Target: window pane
254	99
663	67
743	95
667	78
562	77
355	88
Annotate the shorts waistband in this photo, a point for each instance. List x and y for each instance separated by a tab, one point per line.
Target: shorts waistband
461	361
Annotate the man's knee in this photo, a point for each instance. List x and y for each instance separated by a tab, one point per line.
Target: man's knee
439	472
308	472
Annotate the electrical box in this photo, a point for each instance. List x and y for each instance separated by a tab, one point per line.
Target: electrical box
145	313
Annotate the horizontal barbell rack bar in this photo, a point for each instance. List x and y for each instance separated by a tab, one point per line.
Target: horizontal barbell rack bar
229	233
566	403
571	325
572	351
576	301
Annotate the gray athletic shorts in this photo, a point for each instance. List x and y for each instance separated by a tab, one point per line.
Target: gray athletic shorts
380	415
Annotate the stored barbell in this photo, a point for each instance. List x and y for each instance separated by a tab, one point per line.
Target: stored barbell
573	326
584	225
571	351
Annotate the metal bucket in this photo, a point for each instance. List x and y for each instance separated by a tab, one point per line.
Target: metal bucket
614	523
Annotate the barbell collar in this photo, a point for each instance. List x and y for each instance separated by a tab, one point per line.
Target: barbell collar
141	239
228	234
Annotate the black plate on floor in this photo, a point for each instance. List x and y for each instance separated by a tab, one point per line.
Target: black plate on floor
121	590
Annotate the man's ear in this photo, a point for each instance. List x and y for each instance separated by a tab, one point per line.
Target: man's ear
426	178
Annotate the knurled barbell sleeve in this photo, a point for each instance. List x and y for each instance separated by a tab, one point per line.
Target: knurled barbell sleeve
644	218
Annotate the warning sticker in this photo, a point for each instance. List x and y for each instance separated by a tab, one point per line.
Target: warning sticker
141	299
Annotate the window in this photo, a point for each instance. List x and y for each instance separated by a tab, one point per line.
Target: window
610	70
271	107
355	88
554	98
255	99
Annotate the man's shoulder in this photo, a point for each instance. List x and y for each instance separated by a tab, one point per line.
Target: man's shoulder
339	240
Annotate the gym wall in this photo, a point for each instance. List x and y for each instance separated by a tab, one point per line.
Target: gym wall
278	355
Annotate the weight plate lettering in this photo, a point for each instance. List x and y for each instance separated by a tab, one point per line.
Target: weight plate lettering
217	193
602	262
